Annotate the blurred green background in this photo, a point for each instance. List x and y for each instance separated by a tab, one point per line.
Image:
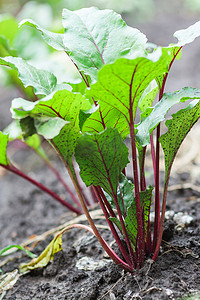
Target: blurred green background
158	19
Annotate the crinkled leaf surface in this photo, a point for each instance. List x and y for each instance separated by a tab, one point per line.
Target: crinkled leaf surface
101	158
158	113
120	85
43	82
96	37
44	258
3	147
55	40
105	117
178	128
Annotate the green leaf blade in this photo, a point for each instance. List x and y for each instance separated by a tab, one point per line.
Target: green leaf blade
101	158
56	117
55	40
188	35
96	37
131	219
43	82
178	128
105	117
3	147
122	84
158	113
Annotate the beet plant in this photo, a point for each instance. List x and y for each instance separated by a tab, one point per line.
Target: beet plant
88	123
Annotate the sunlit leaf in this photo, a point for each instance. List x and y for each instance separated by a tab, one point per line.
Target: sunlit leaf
120	85
105	117
188	35
56	117
8	27
3	147
158	113
96	37
42	81
55	40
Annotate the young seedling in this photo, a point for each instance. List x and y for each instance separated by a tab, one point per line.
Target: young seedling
121	79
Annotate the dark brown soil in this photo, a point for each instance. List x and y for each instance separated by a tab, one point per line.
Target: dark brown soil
25	211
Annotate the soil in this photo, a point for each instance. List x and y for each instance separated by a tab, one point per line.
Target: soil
25	211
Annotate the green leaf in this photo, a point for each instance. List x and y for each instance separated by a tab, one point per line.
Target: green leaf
44	258
66	142
178	128
14	131
121	84
42	81
27	127
169	54
158	113
101	158
55	40
56	117
131	219
3	147
105	117
5	48
96	37
62	104
8	27
148	96
125	191
8	248
186	36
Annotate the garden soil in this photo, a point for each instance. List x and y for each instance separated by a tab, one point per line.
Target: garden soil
82	270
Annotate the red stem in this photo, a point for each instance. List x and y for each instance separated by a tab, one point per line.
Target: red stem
41	187
157	176
95	200
104	244
157	188
69	191
114	232
159	240
101	193
142	173
82	192
140	251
